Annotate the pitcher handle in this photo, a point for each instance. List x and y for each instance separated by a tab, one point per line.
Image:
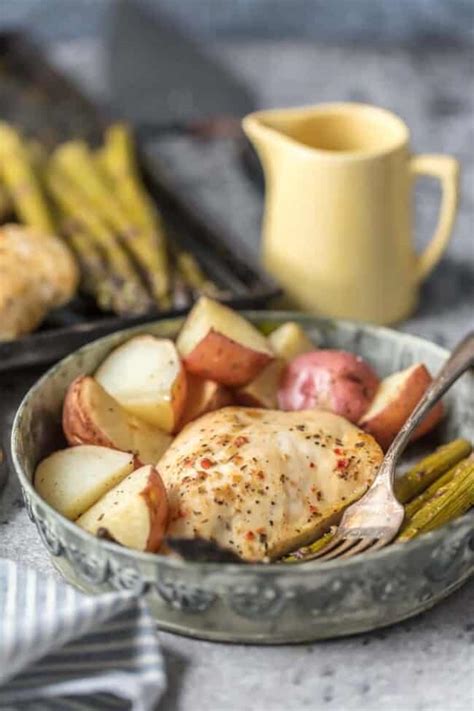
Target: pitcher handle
446	169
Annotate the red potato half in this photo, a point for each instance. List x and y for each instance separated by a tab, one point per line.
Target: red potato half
395	400
218	344
72	480
92	416
289	340
146	376
134	513
203	396
263	390
333	380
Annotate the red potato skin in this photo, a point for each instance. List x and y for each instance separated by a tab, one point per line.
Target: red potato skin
219	358
157	502
203	396
178	395
385	425
333	380
77	427
434	416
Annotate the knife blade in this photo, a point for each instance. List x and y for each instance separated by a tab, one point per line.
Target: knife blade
160	79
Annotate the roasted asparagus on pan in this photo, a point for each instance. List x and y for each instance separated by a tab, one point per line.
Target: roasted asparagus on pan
94	201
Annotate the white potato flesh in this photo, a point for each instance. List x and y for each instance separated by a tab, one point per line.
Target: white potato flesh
263	390
145	375
72	480
289	340
208	314
92	416
203	396
134	513
395	399
221	345
389	390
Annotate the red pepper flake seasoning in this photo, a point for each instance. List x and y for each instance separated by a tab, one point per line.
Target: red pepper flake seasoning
250	535
337	450
241	440
207	463
312	465
313	509
342	463
179	514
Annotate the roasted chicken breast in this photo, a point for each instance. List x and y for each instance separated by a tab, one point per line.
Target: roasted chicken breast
263	482
37	273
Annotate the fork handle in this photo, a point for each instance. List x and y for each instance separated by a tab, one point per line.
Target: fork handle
459	361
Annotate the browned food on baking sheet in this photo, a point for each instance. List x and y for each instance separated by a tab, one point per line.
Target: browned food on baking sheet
37	274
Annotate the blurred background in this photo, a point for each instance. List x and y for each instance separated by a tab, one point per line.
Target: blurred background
339	20
414	57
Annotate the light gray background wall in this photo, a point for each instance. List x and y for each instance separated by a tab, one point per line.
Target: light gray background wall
368	20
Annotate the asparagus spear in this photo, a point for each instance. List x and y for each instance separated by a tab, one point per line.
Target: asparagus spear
416	504
21	181
133	296
307	551
118	160
38	156
416	480
421	475
95	279
450	501
76	161
191	272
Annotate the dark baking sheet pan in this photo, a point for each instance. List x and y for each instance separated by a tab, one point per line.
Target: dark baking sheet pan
41	101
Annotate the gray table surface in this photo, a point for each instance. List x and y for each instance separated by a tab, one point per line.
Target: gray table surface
425	664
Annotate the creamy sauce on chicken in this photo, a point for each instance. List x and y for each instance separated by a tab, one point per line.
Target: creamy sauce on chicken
263	482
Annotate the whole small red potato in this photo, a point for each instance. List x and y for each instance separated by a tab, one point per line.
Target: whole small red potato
333	380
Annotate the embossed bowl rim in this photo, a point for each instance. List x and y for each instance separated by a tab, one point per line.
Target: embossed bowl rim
391	551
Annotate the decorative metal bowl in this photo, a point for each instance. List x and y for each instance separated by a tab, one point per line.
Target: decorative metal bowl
257	603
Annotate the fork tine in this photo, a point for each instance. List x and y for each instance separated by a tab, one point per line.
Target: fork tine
328	547
380	543
360	547
346	544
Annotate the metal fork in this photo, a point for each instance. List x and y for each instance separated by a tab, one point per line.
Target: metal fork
375	519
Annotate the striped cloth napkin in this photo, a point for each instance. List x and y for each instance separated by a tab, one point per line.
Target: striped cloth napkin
60	649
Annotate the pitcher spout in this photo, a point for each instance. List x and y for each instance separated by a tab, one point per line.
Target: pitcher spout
263	137
279	131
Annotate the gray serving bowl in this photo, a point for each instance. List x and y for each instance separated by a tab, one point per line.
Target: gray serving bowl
257	603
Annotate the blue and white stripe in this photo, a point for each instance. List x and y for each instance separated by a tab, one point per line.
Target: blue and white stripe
62	649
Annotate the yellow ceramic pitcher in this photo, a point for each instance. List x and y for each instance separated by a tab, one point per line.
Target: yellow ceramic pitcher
337	229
